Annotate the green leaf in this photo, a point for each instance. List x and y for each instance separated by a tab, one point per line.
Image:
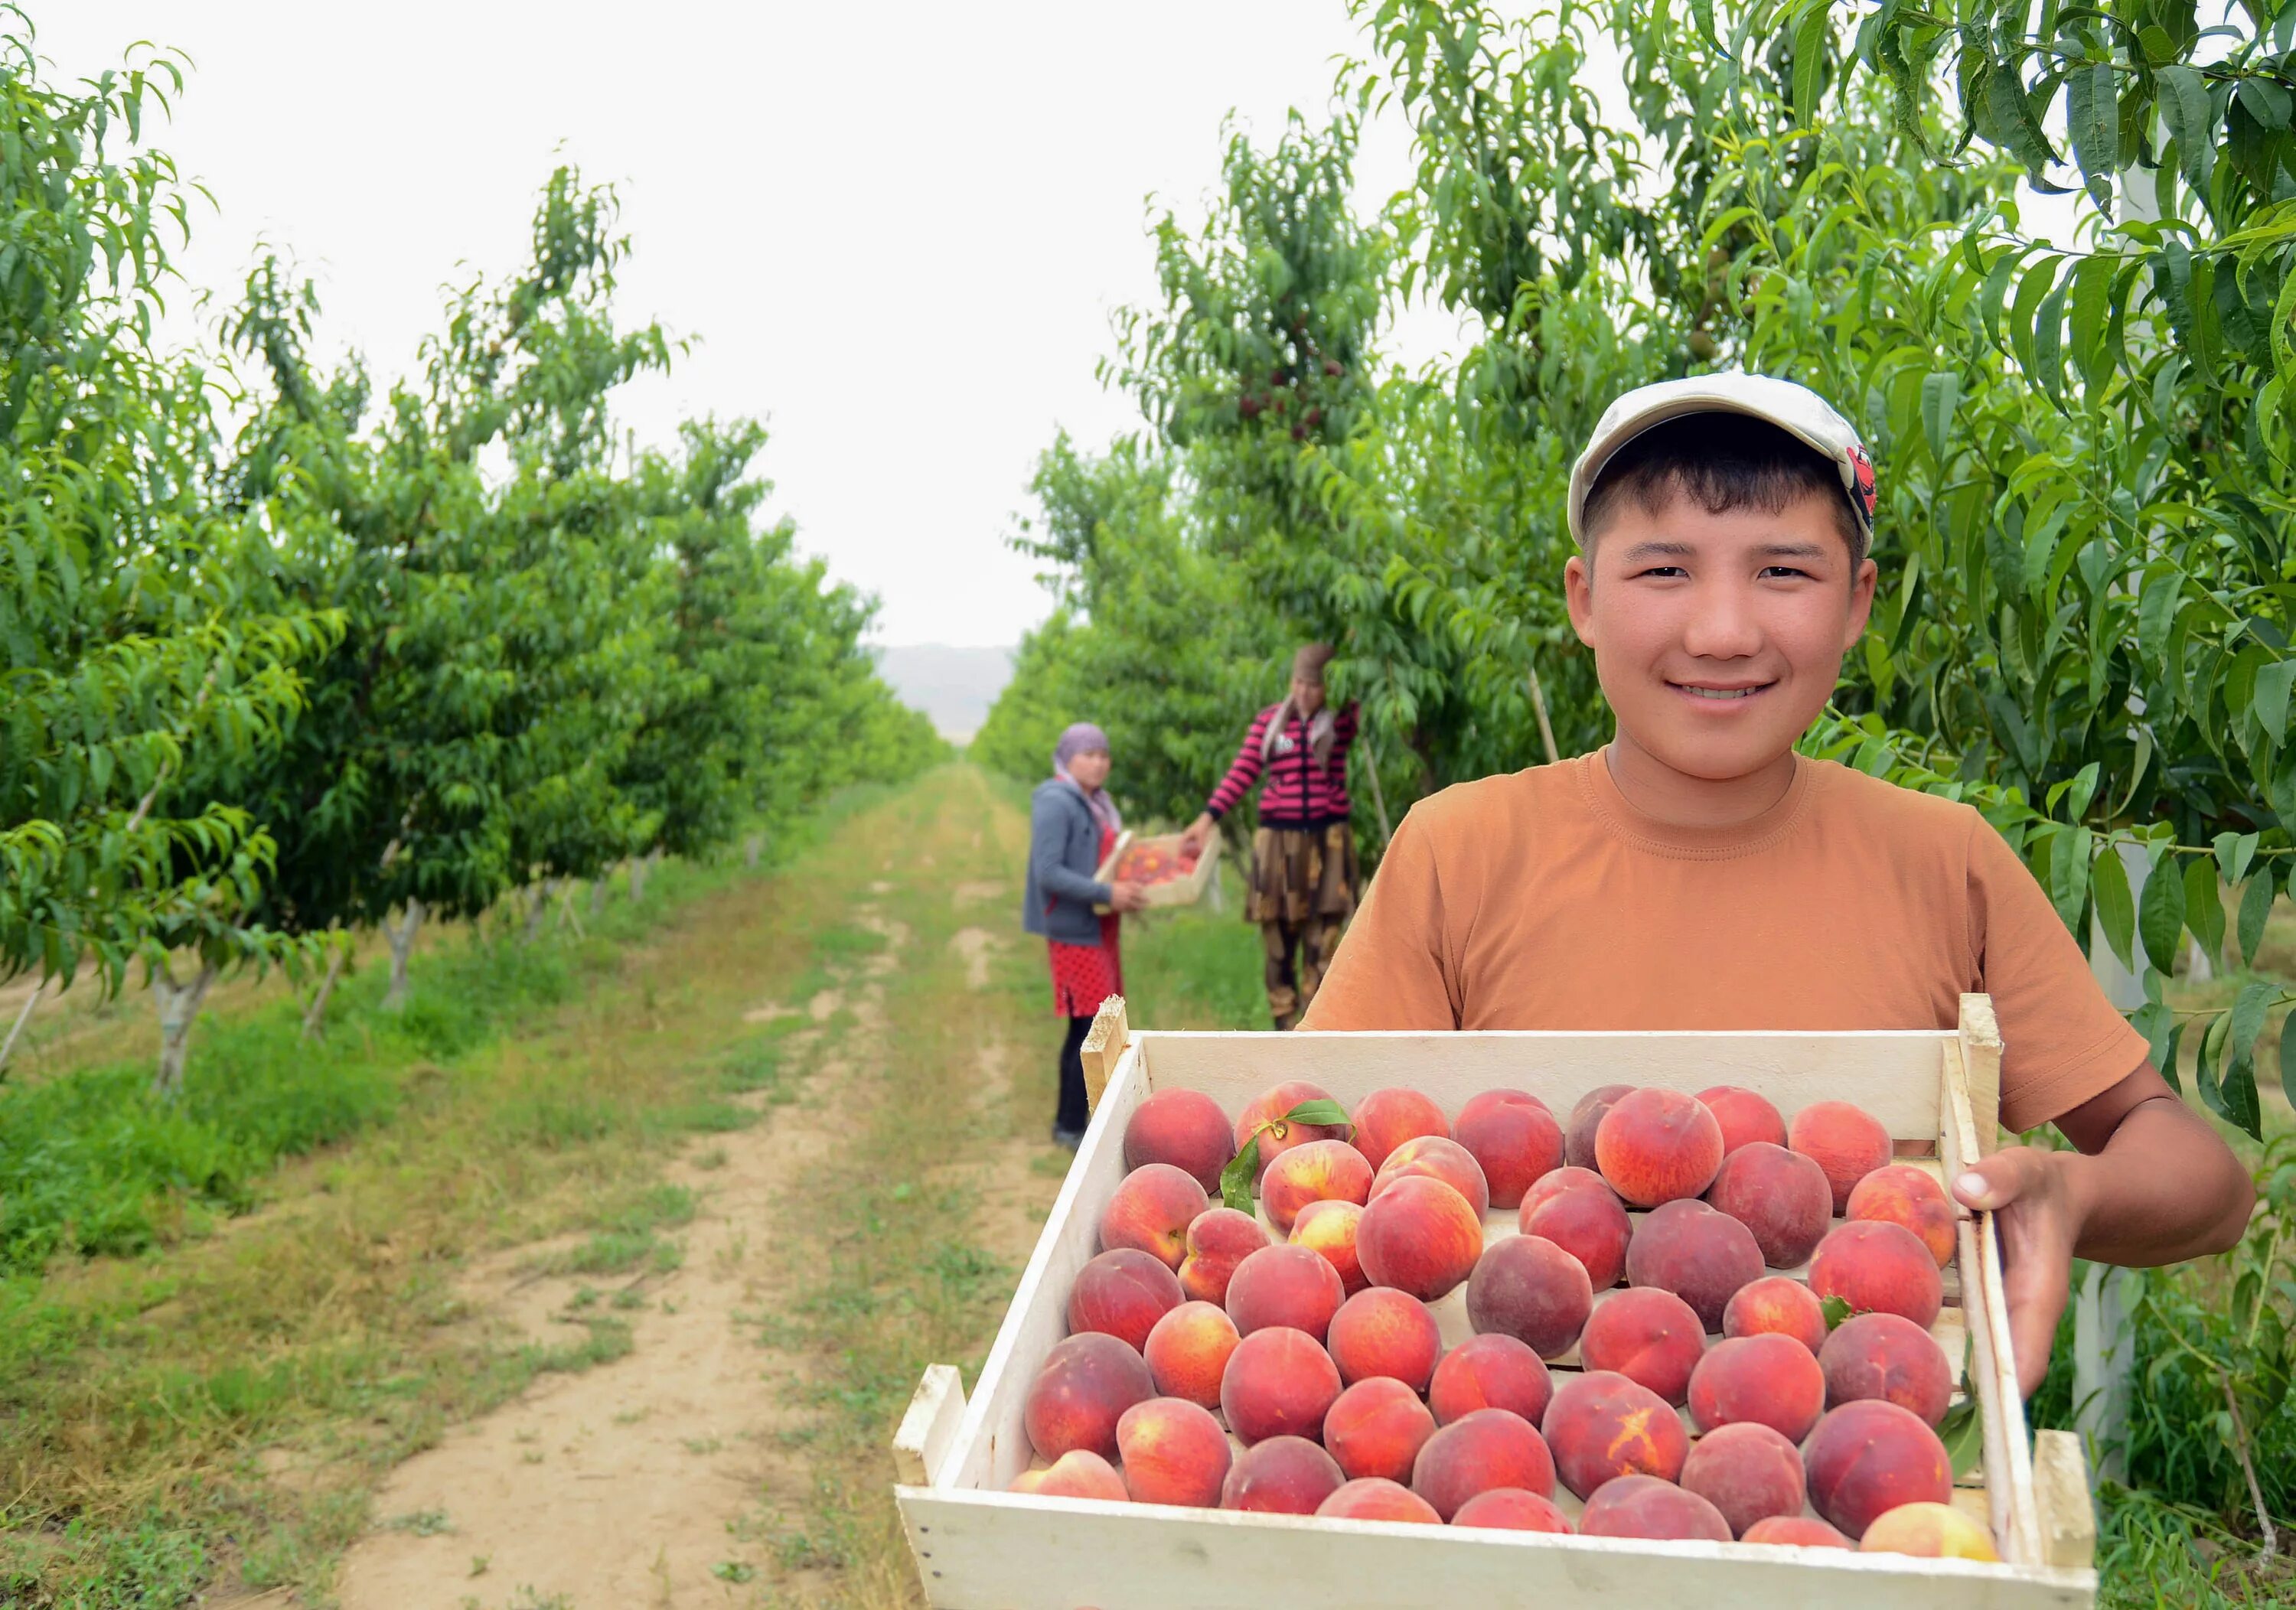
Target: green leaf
2160	915
2288	1058
1242	1172
1963	1433
2233	852
2248	1011
1321	1111
2271	697
2069	872
2116	907
2156	1020
1812	34
2185	108
1940	394
2203	909
2255	907
2092	117
2082	790
1837	1312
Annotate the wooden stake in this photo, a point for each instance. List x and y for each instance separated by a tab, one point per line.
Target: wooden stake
8	1046
1103	1046
1545	727
1378	798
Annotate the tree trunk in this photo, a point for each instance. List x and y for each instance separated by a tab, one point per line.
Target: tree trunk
315	1021
32	1001
598	898
752	850
179	1008
402	946
639	868
537	902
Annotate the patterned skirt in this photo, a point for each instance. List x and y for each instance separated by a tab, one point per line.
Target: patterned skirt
1301	874
1086	974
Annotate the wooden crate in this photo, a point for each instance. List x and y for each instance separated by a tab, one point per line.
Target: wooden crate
980	1547
1178	891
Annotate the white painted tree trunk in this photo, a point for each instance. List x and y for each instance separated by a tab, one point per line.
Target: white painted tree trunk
315	1021
2104	1359
598	898
179	1008
537	904
16	1029
752	850
402	946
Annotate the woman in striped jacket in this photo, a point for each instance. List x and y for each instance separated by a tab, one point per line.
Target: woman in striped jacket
1303	857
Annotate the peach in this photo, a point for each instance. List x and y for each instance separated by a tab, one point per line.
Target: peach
1512	1509
1386	1118
1643	1505
1795	1531
1513	1140
1528	1288
1591	1225
1188	1350
1419	1235
1745	1117
1887	1356
1555	1181
1078	1473
1780	1195
1769	1380
1586	1118
1702	1256
1905	1195
1375	1427
1185	1128
1932	1531
1491	1372
1282	1475
1381	1331
1746	1470
1123	1293
1086	1384
1775	1305
1220	1239
1321	1171
1657	1146
1437	1157
1648	1335
1878	1267
1374	1498
1846	1141
1489	1448
1329	1227
1601	1426
1278	1137
1174	1451
1280	1382
1285	1285
1151	1212
1868	1457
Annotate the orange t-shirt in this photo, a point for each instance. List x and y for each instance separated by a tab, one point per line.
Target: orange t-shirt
1545	901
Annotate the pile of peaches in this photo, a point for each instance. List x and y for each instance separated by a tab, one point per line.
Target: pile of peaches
1152	864
1292	1359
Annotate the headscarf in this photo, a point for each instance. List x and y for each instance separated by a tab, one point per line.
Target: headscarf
1082	738
1308	665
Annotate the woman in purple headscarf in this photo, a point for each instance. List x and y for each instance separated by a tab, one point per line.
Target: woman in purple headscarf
1073	825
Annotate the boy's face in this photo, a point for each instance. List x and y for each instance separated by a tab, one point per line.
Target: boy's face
1718	637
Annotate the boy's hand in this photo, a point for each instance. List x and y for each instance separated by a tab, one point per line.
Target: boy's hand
2036	1196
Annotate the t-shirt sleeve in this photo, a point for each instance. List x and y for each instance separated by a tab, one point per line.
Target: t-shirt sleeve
2062	1041
1389	972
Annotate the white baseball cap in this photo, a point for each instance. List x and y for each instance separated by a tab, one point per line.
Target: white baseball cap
1793	408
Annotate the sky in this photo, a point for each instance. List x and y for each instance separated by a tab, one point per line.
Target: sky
898	231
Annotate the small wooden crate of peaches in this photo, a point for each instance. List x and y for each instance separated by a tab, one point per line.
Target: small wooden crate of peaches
1511	1318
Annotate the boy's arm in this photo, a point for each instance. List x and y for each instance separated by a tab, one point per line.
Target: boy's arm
2152	1183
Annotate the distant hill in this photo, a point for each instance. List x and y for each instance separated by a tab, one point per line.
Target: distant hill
952	686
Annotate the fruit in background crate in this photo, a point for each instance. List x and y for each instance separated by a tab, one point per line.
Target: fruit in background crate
1219	1241
1322	1171
1512	1509
1931	1531
1513	1139
1528	1288
1601	1426
1151	1212
1648	1335
1374	1498
1329	1227
1122	1293
1780	1196
1185	1128
1590	1224
1586	1118
1887	1356
1868	1457
1844	1139
1645	1507
1386	1118
1776	1305
1902	1194
1282	1475
1658	1146
1086	1384
1877	1267
1376	1427
1488	1449
1437	1157
1748	1471
1187	1353
1263	1125
1491	1372
1419	1235
1279	1383
1745	1117
1796	1532
1078	1473
1292	1287
1702	1256
1767	1380
1174	1452
1381	1331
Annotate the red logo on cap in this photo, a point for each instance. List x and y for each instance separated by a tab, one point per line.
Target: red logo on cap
1863	467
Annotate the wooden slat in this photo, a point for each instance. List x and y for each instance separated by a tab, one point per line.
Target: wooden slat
1103	1043
2067	1518
1980	1068
928	1428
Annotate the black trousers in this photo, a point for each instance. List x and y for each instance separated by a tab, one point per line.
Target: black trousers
1072	1114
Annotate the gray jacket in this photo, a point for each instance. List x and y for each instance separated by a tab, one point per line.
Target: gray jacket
1064	853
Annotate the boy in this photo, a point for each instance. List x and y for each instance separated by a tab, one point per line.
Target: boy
1697	874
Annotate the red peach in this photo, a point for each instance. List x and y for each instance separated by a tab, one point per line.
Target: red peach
1152	1211
1174	1451
1905	1195
1491	1372
1870	1456
1078	1473
1321	1171
1586	1118
1780	1196
1374	1498
1086	1384
1555	1181
1329	1227
1512	1509
1285	1285
1643	1506
1278	1137
1437	1157
1513	1138
1748	1471
1219	1241
1601	1426
1386	1118
1419	1235
1702	1256
1185	1128
1887	1356
1768	1380
1383	1332
1878	1267
1187	1353
1123	1293
1745	1115
1282	1475
1489	1448
1591	1225
1657	1146
1648	1335
1280	1382
1846	1141
1375	1427
1775	1304
1796	1532
1528	1288
1929	1530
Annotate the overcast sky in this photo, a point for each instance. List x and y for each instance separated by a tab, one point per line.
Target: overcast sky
898	229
